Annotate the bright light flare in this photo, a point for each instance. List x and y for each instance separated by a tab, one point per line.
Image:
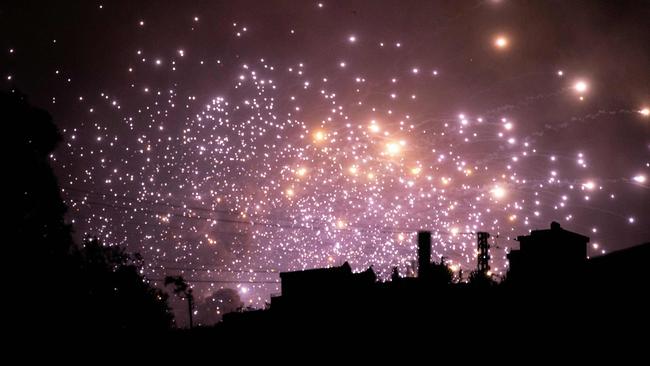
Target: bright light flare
501	42
374	127
581	86
498	192
589	185
319	136
393	148
301	171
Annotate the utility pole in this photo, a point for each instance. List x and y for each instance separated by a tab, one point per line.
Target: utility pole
190	305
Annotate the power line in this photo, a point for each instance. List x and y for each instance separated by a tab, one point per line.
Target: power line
267	223
157	279
212	270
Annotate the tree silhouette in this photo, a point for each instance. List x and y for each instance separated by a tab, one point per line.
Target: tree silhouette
92	287
31	139
113	286
182	289
41	252
481	280
440	273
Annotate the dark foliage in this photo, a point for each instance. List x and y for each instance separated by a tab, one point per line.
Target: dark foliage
61	285
112	285
182	289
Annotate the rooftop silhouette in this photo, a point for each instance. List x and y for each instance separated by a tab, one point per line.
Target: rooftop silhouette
550	282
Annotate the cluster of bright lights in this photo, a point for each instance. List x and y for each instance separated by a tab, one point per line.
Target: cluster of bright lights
293	165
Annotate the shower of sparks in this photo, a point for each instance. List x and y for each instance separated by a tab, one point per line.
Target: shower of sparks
231	165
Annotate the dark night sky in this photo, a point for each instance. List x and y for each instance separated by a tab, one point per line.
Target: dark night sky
231	140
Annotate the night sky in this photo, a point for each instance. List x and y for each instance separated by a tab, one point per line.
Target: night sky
228	141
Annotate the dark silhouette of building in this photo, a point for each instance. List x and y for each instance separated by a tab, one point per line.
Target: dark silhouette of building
333	286
551	286
622	269
548	256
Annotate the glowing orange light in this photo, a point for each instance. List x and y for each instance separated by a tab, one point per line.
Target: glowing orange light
580	86
301	171
501	42
319	136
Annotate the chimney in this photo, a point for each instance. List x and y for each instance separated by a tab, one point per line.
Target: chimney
424	252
